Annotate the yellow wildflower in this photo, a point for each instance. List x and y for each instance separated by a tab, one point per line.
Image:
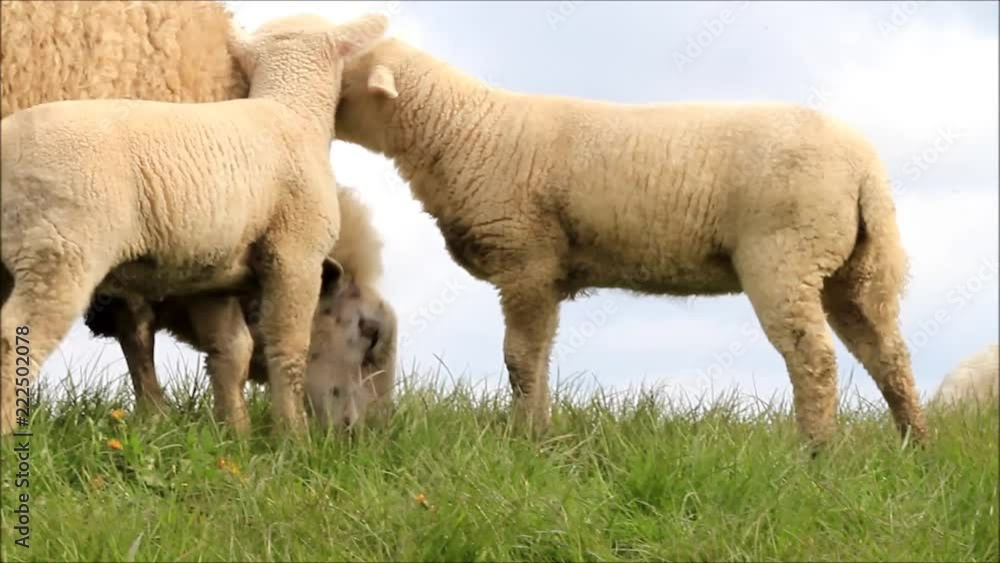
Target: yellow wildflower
228	466
115	444
422	499
117	414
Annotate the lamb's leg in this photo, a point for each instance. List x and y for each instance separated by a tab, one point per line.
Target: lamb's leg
220	328
785	293
136	336
46	299
531	315
290	288
870	331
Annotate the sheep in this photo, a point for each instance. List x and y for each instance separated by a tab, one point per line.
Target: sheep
165	51
351	321
975	379
364	338
547	197
352	359
207	197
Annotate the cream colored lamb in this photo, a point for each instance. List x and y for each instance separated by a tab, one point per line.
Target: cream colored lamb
546	197
206	197
975	379
172	52
353	332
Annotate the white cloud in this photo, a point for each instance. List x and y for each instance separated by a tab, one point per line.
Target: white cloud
918	82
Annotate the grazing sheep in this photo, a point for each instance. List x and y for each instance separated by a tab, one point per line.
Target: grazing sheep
351	323
546	197
162	51
207	196
975	380
364	339
352	358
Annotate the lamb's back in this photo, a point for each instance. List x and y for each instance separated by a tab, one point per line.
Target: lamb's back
192	178
665	188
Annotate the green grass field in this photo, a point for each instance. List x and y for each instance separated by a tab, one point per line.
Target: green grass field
618	478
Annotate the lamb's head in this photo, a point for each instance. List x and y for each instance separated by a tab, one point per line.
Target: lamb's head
283	52
369	96
390	94
346	328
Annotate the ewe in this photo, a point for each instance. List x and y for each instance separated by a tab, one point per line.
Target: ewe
206	197
546	196
341	394
171	52
975	379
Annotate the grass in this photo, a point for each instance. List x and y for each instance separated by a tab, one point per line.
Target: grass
619	478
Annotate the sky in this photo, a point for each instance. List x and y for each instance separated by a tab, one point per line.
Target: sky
920	78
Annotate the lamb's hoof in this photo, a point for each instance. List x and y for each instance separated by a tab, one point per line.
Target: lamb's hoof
817	446
240	428
295	427
915	437
530	421
153	409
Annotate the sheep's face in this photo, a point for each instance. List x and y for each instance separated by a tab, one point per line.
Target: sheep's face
344	332
368	100
339	402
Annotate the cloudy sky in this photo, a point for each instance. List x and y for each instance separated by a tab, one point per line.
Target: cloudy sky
919	77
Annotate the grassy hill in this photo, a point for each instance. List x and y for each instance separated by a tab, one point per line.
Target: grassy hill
619	478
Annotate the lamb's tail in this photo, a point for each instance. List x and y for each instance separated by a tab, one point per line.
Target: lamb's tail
879	264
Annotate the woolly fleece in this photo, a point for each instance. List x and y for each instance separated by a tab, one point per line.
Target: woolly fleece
975	379
546	197
52	51
363	340
209	196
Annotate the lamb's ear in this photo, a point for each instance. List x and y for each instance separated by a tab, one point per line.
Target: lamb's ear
332	272
358	35
381	82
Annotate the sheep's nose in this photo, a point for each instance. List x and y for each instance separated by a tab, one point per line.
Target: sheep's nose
348	422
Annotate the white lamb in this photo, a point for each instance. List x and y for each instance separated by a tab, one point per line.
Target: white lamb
207	196
975	379
546	197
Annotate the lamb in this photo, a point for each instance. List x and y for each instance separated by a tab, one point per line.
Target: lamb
975	379
353	334
208	197
171	52
546	197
